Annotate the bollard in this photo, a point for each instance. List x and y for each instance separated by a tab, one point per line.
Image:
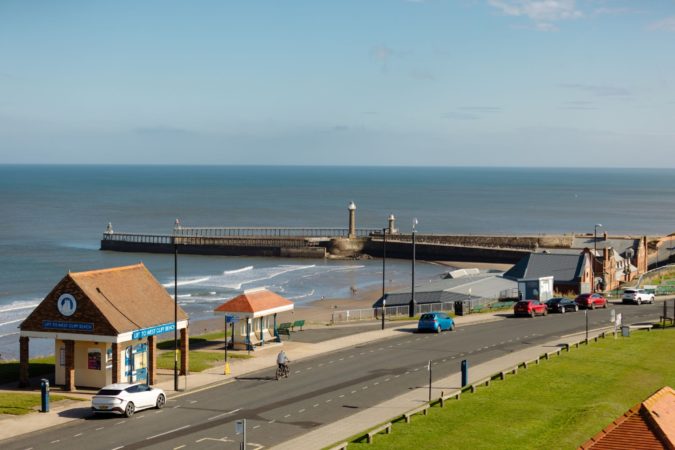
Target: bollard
44	390
465	372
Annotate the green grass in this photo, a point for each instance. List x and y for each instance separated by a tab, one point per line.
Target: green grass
20	403
559	404
9	370
199	361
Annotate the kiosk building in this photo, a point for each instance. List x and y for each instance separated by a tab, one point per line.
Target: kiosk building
105	325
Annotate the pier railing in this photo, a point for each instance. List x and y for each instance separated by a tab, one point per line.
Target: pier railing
298	232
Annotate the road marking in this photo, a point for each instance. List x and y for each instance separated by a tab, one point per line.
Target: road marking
167	432
78	434
272	421
177	406
118	448
192	402
396	376
417	369
257	426
223	414
179	447
309	368
387	379
329	400
55	442
287	415
364	387
120	422
297	371
453	357
353	392
342	395
376	383
302	411
341	359
444	359
315	405
99	429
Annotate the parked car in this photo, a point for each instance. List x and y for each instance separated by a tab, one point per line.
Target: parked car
591	301
561	305
126	398
637	296
530	308
435	321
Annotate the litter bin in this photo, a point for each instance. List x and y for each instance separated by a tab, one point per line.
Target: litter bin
44	393
462	307
625	331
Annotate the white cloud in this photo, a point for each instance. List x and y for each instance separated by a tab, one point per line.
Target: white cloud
542	12
667	24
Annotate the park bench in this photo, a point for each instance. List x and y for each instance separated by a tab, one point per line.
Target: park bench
284	328
422	409
298	323
643	326
386	428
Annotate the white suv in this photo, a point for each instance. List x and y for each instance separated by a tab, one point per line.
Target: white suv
637	296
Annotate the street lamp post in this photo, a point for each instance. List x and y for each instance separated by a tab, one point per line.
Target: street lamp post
175	314
384	266
595	252
411	306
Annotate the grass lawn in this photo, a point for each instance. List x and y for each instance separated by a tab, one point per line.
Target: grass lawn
557	405
9	370
195	341
19	404
199	360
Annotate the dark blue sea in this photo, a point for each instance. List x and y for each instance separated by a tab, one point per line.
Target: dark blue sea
52	218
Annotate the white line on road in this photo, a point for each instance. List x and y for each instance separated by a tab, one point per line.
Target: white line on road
192	402
342	395
120	422
364	387
302	411
179	447
118	448
272	421
167	432
297	371
387	379
353	392
99	429
309	368
341	359
223	414
329	400
257	426
376	383
55	442
78	434
287	415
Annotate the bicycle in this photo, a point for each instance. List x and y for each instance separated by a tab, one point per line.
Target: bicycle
283	371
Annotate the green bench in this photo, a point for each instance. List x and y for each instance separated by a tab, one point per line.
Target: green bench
284	328
298	323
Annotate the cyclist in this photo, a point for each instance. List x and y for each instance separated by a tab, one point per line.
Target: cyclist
282	362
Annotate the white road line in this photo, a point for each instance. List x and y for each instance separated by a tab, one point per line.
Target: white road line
396	376
309	368
223	414
167	432
118	448
297	371
341	359
416	369
364	387
120	422
177	406
78	434
192	402
287	415
376	383
353	392
387	379
302	411
55	442
315	405
272	421
342	395
99	429
329	400
444	359
179	447
257	426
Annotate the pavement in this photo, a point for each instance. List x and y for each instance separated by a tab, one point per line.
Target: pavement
302	345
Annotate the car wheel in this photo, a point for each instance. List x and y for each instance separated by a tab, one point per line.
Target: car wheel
129	410
651	300
639	301
452	327
161	401
576	308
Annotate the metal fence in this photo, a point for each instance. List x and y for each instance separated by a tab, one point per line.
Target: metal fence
356	315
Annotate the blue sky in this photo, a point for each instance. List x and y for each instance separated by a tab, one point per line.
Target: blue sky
587	83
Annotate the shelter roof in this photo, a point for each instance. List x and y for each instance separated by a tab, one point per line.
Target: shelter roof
562	266
649	425
256	303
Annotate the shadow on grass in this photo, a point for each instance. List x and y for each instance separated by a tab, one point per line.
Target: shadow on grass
9	371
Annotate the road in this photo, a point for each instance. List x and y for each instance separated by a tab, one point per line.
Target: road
320	390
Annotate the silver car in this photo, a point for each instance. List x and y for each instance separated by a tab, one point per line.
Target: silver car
126	398
637	296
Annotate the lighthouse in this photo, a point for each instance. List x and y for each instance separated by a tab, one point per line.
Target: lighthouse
352	220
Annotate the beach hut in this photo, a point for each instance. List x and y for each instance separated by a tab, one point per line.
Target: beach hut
253	317
105	325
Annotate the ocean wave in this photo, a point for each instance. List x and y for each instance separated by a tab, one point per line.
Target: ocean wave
243	269
187	282
19	305
9	334
11	321
298	297
263	274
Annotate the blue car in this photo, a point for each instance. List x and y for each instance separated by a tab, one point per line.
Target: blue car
435	321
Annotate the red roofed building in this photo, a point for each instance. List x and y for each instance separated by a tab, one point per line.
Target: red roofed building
648	425
254	316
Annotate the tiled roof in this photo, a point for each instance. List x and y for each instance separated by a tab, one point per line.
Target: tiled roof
563	267
649	425
255	301
129	297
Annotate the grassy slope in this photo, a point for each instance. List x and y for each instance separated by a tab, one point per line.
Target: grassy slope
559	404
19	404
9	370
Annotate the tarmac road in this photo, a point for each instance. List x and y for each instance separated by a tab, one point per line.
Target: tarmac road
320	390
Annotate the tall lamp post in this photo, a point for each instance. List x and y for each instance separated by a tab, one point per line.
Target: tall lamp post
411	306
595	252
175	314
384	266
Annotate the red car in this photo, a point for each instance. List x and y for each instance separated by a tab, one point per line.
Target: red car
591	301
529	308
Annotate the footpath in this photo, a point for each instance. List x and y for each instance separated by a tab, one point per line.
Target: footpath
68	411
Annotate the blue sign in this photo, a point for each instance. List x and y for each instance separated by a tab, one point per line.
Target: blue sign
159	329
72	326
231	319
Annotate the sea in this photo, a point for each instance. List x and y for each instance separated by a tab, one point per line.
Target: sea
52	218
